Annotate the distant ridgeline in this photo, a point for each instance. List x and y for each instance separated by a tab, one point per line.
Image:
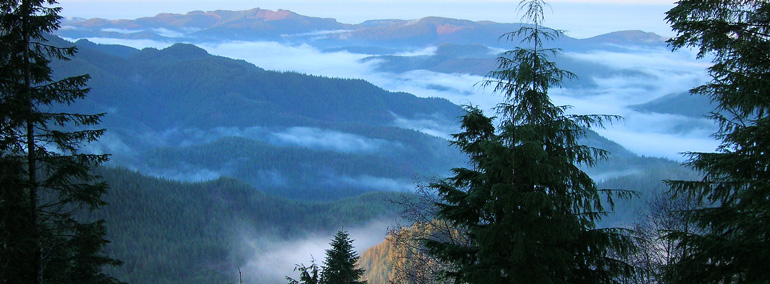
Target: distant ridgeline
378	36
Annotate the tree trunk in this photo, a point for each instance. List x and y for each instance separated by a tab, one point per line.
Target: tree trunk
31	159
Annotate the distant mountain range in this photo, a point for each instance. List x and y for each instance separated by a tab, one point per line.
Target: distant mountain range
462	46
286	26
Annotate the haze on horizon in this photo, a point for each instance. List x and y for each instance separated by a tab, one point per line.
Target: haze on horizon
579	18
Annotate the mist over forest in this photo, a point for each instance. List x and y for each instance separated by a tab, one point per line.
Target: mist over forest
243	140
619	70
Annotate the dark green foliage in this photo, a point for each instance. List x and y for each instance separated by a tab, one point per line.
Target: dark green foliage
735	189
307	274
339	267
45	178
528	209
340	263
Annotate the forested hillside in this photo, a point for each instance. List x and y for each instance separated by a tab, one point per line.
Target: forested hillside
173	113
174	232
183	86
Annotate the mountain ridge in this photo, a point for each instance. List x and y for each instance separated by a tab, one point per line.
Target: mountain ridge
173	112
636	36
263	24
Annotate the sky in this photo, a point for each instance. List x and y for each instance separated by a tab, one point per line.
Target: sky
580	18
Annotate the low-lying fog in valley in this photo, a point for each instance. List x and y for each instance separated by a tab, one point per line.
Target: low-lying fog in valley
658	72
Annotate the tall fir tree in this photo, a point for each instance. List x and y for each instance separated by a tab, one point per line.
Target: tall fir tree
527	207
340	263
45	178
731	244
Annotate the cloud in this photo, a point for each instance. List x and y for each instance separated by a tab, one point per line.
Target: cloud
657	144
187	173
193	136
630	76
168	33
183	137
370	182
431	125
307	137
458	88
324	139
300	58
658	72
428	51
109	143
121	31
315	35
135	43
272	178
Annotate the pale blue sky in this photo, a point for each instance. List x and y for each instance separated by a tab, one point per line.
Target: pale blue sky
581	18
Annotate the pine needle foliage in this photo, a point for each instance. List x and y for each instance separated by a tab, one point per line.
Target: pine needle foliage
339	266
527	207
731	245
340	263
45	178
307	274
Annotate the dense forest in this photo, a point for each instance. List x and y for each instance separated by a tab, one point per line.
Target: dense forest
173	232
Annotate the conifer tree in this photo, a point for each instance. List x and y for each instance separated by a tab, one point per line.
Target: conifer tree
732	244
307	274
528	209
340	263
45	178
